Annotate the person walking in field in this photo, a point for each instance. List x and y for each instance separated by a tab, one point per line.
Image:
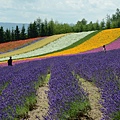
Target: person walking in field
104	48
10	61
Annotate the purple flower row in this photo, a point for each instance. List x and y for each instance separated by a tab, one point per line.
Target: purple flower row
112	46
63	89
21	80
103	69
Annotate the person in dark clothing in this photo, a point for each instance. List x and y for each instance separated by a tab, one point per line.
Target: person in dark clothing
104	48
10	61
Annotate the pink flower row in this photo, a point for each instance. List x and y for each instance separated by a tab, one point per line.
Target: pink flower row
111	46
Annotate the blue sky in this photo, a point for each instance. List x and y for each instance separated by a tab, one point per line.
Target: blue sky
63	11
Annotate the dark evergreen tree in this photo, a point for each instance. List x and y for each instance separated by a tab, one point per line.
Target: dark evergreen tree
29	31
51	27
1	34
17	33
38	23
42	29
7	35
46	27
34	30
13	35
23	33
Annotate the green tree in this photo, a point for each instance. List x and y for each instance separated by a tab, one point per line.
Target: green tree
96	26
29	31
102	24
84	21
13	35
51	27
1	34
117	13
108	22
7	35
23	33
34	30
17	33
46	27
78	27
38	23
90	26
42	29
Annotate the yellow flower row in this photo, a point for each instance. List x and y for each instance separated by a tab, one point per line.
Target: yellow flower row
34	46
102	38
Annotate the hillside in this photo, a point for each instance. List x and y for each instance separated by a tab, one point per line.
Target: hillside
62	77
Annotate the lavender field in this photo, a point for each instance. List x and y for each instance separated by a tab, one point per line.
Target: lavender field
67	99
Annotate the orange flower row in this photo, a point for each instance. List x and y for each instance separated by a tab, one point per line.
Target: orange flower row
102	38
4	47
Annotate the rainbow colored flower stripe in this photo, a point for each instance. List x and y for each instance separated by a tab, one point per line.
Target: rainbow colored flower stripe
102	38
5	47
56	45
107	37
33	46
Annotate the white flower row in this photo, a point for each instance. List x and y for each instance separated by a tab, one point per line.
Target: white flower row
53	46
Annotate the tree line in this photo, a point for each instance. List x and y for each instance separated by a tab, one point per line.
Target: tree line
48	28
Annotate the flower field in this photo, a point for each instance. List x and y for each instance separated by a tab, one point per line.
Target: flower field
9	46
102	38
111	46
32	46
67	98
54	46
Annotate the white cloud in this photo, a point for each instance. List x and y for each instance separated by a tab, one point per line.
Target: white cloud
63	10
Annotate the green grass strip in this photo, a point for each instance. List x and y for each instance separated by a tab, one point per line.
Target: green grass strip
3	87
76	108
116	116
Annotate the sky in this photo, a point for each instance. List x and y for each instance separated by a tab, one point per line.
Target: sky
63	11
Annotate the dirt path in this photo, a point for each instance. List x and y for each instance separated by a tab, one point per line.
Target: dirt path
41	106
94	97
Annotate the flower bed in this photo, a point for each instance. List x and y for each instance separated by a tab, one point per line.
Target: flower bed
19	83
65	95
102	38
10	46
32	46
111	46
55	45
104	70
66	98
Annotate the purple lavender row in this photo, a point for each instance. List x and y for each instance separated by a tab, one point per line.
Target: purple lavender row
20	80
63	90
103	69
